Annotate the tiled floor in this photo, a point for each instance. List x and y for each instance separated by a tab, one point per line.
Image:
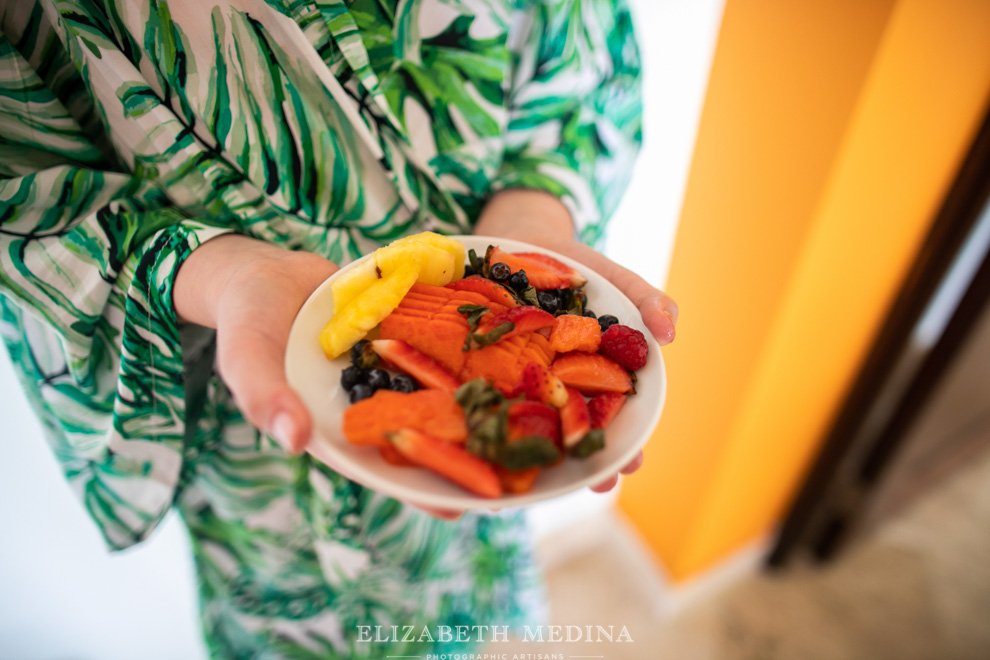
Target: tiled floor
917	589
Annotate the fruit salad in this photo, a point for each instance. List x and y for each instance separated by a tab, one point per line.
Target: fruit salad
486	370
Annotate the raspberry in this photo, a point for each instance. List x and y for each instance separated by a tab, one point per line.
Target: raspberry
625	345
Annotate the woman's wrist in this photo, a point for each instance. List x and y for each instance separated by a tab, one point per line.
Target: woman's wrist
208	272
532	216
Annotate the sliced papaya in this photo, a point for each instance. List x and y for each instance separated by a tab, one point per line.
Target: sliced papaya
575	333
517	482
366	422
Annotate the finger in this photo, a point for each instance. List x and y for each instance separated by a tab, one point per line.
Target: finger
659	314
658	310
606	485
250	361
252	333
612	481
633	465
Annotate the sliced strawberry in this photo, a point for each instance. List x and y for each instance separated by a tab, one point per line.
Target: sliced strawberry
525	319
575	420
540	278
604	407
575	333
424	369
538	384
591	373
448	460
546	261
528	419
533	418
493	291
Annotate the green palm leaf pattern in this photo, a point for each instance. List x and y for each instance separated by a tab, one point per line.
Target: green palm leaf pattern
133	131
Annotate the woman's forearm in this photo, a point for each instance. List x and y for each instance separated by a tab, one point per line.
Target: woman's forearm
532	216
205	274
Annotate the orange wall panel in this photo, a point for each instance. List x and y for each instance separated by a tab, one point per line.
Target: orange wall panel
923	102
830	133
784	81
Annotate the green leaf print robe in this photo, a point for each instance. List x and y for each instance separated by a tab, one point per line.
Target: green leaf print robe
132	131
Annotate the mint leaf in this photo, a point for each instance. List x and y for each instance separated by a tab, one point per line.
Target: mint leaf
473	313
526	452
591	442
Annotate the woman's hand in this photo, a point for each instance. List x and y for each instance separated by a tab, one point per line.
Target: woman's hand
250	291
541	219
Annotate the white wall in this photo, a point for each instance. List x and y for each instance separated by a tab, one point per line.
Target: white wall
62	596
677	39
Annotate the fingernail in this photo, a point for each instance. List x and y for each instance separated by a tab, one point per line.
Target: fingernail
284	430
666	331
670	309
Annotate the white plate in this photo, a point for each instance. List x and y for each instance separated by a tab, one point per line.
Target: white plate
317	380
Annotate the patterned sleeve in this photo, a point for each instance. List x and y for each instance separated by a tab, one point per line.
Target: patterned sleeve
575	118
87	260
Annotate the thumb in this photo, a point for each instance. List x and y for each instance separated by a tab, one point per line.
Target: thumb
659	313
251	362
658	310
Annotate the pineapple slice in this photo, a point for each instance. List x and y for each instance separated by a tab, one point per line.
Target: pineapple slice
441	242
436	266
368	293
348	286
354	320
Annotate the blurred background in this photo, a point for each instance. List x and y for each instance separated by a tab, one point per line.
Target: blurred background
813	192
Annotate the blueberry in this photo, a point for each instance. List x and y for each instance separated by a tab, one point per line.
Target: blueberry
360	391
565	300
378	379
403	383
469	270
607	321
499	272
357	349
352	376
548	301
590	314
519	280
